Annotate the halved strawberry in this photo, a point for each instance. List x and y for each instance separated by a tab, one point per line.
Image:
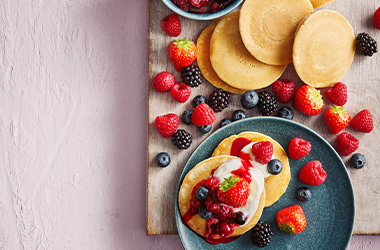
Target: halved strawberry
308	100
233	191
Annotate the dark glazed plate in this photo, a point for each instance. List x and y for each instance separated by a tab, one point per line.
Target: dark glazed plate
330	212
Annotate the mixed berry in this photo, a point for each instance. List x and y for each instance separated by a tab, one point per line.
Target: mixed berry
202	6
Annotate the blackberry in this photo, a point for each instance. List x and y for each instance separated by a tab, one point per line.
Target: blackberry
182	139
192	76
219	100
365	44
267	103
262	234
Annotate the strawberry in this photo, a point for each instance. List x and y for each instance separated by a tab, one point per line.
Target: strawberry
291	219
171	24
197	3
298	148
163	82
203	115
284	90
233	191
166	125
336	118
363	121
313	173
180	92
182	52
376	19
346	144
262	151
337	94
308	100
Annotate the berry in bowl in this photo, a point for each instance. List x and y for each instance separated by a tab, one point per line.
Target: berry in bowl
202	9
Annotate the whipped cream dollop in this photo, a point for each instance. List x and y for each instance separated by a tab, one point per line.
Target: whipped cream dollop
263	167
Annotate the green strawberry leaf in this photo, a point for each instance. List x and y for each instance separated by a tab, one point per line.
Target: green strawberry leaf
286	228
228	183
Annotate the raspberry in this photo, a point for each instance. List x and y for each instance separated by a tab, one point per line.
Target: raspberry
376	19
182	4
337	94
196	3
363	121
313	173
298	148
180	92
262	151
284	90
166	125
163	82
346	144
203	115
171	24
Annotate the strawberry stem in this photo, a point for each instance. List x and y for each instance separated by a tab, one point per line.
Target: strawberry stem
227	183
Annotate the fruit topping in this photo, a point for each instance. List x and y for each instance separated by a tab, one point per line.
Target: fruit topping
337	94
286	113
212	183
308	100
180	92
219	100
233	191
291	219
163	159
283	90
192	76
171	24
376	19
274	167
163	82
225	229
267	103
336	118
202	6
303	194
224	122
238	144
203	115
358	161
205	214
199	99
166	125
201	193
240	218
182	53
262	151
186	116
298	148
205	129
182	139
346	144
313	173
249	99
238	115
363	121
262	234
365	44
182	4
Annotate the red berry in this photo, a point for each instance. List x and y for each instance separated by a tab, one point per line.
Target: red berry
163	82
212	182
346	144
233	191
225	229
298	148
376	19
182	53
171	24
337	94
180	92
262	151
336	118
196	3
313	173
166	125
363	121
182	4
203	115
291	219
308	100
284	90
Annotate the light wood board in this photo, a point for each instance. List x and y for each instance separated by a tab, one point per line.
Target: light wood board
363	80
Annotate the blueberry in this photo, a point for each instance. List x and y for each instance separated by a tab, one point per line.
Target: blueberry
240	218
238	115
199	99
303	194
201	193
224	122
186	116
357	161
205	129
163	159
286	113
274	167
205	214
249	99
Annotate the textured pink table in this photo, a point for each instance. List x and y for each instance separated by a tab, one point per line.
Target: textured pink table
73	124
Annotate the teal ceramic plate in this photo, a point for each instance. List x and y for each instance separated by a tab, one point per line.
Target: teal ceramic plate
330	212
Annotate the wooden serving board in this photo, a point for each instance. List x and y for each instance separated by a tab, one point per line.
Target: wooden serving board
363	80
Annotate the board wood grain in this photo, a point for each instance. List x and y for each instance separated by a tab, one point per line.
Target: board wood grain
363	80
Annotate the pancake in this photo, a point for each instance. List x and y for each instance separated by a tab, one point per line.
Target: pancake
268	27
275	185
319	3
204	63
232	61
